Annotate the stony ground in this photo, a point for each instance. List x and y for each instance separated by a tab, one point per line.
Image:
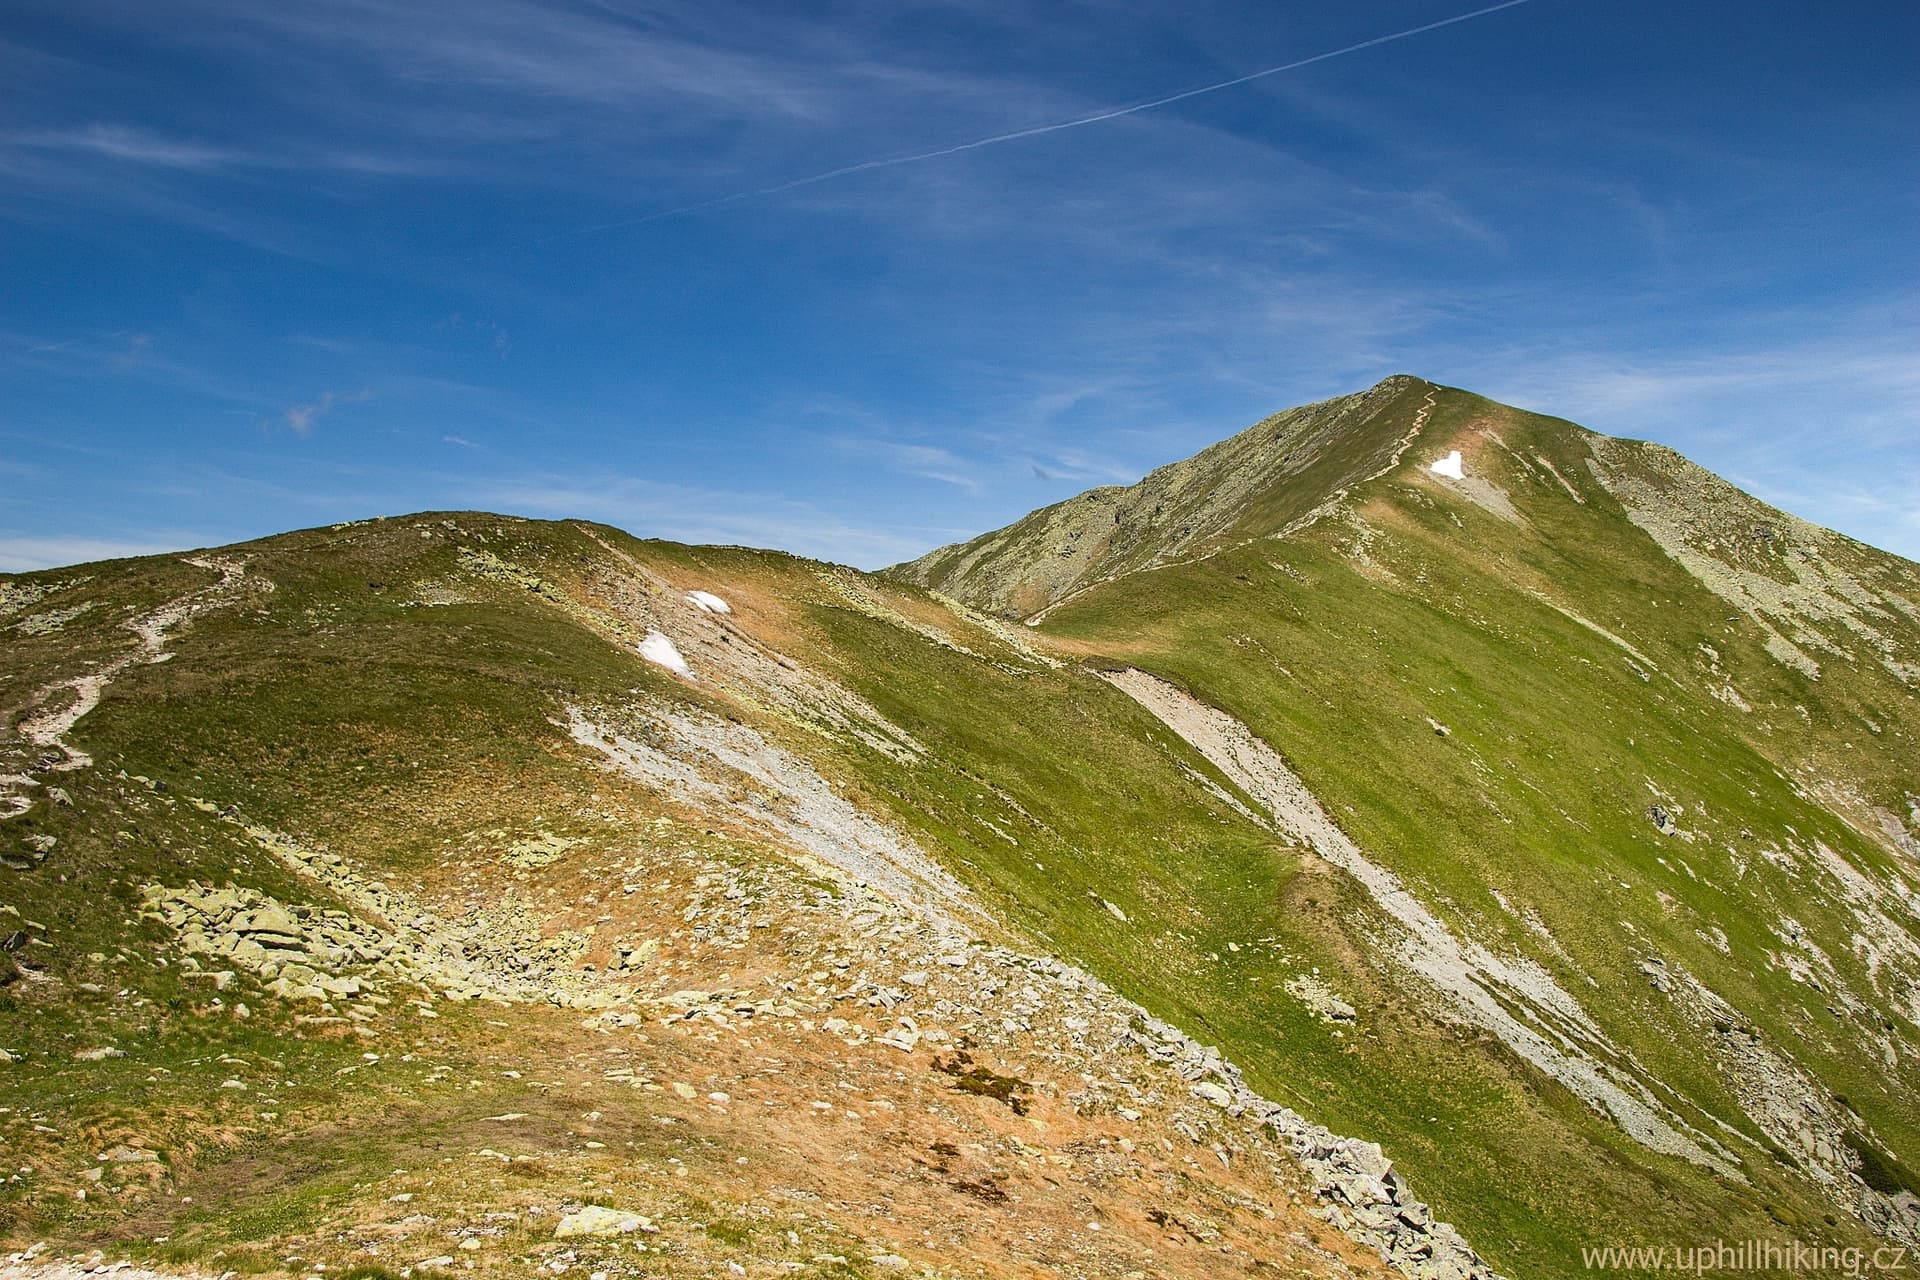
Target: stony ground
701	1062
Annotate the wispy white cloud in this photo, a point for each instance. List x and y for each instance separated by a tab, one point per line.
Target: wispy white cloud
44	189
542	51
929	462
1885	514
1045	128
301	417
135	357
24	554
1865	385
133	145
697	514
1816	411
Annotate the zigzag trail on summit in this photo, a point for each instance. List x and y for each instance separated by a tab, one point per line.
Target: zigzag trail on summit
1325	508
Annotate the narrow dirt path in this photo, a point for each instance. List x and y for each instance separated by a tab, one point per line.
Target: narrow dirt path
1325	508
1333	501
67	701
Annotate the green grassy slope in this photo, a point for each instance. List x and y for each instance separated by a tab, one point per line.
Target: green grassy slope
393	696
1590	659
1339	645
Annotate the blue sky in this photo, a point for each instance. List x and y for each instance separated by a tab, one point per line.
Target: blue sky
276	265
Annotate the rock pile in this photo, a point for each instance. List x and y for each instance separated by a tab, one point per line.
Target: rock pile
1363	1194
1321	999
298	952
501	955
597	1220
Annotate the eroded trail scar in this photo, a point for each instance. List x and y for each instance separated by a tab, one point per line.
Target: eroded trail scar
1515	999
66	702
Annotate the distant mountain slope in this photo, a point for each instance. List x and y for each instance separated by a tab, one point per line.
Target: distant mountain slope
392	893
1274	473
1576	620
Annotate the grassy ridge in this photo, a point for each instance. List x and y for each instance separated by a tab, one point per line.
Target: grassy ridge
1557	746
342	707
1248	485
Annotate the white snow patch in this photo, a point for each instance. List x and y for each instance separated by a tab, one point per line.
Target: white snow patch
707	602
660	651
1449	466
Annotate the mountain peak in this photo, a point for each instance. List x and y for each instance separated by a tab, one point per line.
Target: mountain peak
1280	471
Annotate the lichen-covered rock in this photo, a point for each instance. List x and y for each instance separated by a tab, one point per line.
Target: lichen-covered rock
597	1220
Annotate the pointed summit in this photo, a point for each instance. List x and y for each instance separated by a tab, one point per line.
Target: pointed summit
1276	473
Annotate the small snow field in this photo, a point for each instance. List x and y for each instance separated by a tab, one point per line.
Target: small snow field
662	652
1449	467
707	602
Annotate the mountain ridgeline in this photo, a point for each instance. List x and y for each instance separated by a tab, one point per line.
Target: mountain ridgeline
1273	475
1304	859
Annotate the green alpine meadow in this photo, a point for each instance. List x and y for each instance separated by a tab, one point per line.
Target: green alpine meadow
1411	837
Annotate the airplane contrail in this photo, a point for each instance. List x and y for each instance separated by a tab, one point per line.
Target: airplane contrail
1034	131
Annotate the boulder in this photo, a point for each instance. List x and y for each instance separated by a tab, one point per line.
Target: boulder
126	1155
597	1220
273	920
1655	970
